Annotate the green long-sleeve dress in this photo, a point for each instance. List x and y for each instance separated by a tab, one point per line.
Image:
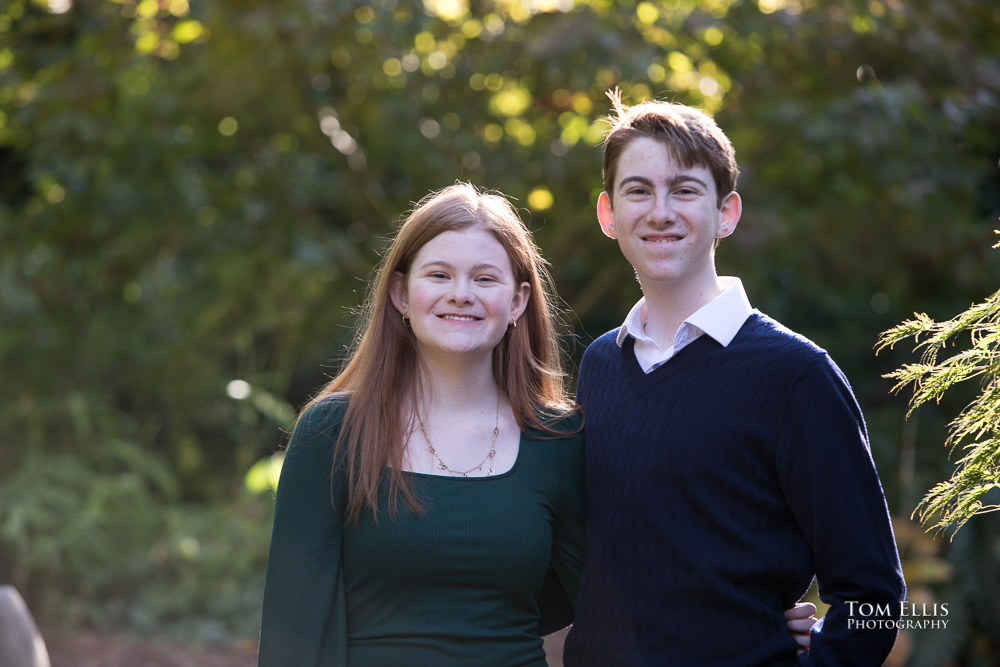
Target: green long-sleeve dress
456	585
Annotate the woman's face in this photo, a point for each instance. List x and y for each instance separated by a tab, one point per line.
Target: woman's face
460	294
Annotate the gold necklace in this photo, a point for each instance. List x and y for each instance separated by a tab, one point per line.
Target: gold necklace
465	473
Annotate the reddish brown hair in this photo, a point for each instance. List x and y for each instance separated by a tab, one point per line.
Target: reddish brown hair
381	371
691	135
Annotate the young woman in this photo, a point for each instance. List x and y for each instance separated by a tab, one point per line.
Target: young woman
429	487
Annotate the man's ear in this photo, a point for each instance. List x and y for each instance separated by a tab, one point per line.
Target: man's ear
731	210
605	215
397	292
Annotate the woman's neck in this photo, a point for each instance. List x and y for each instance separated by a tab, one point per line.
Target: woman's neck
457	387
462	425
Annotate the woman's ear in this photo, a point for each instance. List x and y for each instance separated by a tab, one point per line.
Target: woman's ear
522	293
398	292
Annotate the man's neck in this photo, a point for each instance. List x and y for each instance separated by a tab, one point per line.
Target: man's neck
667	306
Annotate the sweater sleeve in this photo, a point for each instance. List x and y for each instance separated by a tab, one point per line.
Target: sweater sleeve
303	621
569	541
557	599
569	544
829	480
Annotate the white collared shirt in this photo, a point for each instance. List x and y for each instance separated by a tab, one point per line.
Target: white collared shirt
720	318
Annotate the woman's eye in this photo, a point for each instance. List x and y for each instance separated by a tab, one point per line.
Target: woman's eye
486	279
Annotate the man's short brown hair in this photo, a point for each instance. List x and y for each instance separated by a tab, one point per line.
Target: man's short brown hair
690	134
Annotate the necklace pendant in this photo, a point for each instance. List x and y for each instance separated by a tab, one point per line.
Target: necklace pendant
489	457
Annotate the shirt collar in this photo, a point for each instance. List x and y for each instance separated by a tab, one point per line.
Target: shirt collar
720	318
634	324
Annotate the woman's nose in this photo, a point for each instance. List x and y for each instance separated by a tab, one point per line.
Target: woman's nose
460	292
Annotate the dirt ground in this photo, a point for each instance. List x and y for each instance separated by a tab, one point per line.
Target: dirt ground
94	650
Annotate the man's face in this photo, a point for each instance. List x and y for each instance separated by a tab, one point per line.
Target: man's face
666	217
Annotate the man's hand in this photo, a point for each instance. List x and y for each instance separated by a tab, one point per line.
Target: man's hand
799	620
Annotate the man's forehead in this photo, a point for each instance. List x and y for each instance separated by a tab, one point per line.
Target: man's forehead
655	153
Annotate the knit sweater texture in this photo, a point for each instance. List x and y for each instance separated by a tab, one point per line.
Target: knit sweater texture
718	485
457	585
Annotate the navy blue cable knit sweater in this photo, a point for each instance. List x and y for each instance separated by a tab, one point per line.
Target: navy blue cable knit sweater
717	486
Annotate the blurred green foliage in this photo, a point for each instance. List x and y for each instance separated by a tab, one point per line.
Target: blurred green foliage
193	194
107	543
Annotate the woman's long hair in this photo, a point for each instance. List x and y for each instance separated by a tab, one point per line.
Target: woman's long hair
381	373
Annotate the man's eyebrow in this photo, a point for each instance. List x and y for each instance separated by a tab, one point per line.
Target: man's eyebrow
641	180
679	178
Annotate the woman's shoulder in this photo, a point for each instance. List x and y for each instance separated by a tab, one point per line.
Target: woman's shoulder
559	448
322	415
559	432
555	423
323	408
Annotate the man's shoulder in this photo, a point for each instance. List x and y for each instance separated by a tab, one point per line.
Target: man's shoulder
601	360
764	333
787	354
602	350
608	338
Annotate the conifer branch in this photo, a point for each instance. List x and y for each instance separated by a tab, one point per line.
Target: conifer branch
951	503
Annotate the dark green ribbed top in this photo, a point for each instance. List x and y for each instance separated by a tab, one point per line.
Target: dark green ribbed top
456	585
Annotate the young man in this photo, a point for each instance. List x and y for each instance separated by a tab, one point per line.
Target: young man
727	458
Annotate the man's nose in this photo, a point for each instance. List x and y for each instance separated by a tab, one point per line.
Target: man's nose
663	212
